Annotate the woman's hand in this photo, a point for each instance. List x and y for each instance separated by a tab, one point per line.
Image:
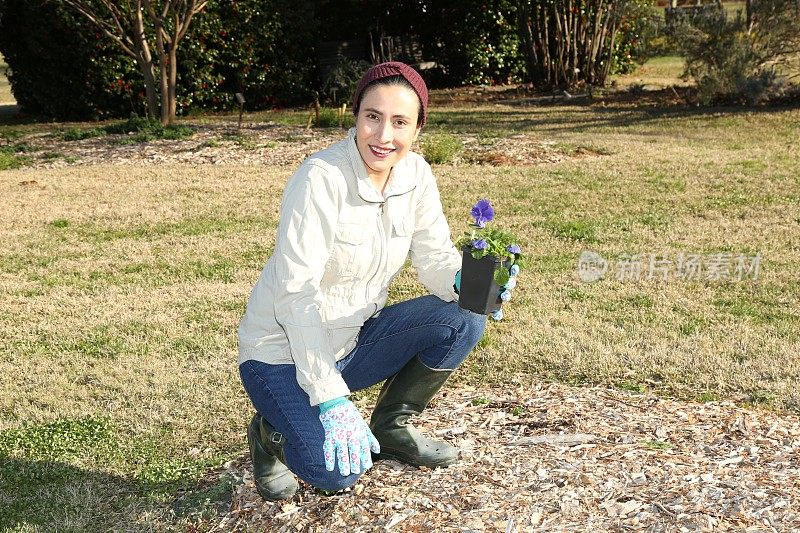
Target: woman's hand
348	438
505	294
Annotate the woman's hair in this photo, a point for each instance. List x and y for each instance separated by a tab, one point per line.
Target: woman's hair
392	80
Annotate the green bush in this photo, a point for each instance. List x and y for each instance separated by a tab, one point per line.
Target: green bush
340	82
59	67
473	41
440	148
333	118
62	67
642	35
10	158
723	60
261	48
141	129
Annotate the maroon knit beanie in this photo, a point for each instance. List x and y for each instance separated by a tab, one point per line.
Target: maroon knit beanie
387	70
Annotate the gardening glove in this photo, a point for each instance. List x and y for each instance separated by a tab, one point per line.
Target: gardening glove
505	294
348	438
507	288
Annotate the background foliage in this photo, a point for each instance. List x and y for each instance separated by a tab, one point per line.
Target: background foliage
60	72
261	48
61	67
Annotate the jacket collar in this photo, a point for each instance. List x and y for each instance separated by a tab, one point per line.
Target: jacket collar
400	177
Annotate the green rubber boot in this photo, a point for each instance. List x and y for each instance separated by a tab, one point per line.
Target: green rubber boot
405	394
273	480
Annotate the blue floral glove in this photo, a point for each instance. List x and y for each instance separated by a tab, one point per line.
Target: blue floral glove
507	288
348	438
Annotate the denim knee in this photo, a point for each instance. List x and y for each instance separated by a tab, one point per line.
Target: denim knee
468	328
473	327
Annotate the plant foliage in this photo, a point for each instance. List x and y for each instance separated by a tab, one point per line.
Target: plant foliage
483	241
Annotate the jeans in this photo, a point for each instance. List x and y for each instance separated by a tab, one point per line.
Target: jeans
440	332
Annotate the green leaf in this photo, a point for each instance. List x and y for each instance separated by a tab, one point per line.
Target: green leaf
501	276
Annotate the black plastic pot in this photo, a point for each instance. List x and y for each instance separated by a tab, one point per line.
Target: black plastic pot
479	292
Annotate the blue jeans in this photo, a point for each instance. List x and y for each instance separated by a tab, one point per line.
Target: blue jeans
441	333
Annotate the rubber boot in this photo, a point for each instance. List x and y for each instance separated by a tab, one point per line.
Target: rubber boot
274	481
405	394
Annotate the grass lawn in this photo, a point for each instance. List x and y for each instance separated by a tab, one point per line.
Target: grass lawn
5	87
659	72
122	287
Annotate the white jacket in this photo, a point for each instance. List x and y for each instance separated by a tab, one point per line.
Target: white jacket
339	245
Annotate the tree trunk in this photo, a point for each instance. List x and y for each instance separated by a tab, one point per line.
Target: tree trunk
163	59
568	43
172	84
145	61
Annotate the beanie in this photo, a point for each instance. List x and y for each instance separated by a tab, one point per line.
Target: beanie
387	70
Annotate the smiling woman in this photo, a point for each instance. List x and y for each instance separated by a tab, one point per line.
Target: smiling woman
317	326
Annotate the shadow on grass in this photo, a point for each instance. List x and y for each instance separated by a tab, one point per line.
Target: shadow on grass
59	496
11	114
594	118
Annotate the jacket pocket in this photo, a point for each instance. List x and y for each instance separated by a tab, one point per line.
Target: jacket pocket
351	254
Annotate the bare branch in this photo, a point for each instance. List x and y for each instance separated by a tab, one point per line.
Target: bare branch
114	31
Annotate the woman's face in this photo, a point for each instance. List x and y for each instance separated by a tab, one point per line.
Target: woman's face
386	127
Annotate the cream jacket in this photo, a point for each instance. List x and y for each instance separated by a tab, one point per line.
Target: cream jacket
339	245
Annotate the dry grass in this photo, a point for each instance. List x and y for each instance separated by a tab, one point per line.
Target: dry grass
658	72
122	287
5	87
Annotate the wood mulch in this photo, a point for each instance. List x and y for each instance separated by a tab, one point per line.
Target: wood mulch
550	457
253	144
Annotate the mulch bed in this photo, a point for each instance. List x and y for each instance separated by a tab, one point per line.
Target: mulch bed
549	457
257	144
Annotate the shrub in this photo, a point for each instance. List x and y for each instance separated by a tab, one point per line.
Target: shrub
340	82
263	49
10	158
59	66
439	148
722	59
473	41
334	118
642	35
734	60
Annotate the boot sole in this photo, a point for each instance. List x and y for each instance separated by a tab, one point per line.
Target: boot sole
439	464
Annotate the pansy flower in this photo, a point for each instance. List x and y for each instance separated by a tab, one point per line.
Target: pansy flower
482	212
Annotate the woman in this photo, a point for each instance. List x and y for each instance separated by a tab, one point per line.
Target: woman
316	327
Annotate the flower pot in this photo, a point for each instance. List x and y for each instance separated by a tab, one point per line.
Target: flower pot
479	292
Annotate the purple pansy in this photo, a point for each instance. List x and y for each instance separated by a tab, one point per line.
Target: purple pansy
514	249
480	244
482	212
